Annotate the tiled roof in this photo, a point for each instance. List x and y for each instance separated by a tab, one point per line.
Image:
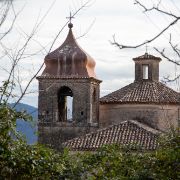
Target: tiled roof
143	92
147	56
126	133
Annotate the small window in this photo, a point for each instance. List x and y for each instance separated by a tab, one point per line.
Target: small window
145	71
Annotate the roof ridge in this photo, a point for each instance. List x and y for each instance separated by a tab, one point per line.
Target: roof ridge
146	127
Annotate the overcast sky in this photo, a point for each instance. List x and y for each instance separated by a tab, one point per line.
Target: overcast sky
120	17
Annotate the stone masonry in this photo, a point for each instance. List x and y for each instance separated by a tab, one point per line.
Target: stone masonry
52	130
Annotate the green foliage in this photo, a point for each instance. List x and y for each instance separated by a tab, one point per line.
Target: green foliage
166	164
30	162
115	162
25	161
19	160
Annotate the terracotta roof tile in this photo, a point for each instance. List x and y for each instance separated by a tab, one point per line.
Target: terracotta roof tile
48	76
126	133
143	92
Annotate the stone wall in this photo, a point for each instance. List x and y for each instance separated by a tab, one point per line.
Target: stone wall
54	134
82	98
156	116
85	116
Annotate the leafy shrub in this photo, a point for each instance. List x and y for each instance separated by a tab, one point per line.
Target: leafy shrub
19	160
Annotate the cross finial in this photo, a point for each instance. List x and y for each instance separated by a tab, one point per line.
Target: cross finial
70	25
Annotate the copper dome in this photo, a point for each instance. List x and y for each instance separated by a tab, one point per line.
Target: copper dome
69	60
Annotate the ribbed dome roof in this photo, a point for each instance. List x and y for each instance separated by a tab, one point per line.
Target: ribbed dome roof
69	60
144	92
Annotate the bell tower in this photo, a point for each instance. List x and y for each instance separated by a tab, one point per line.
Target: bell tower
147	68
68	104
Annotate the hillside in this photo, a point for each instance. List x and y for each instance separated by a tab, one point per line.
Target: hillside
28	129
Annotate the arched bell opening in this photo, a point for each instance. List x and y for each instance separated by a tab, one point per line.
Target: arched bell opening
65	104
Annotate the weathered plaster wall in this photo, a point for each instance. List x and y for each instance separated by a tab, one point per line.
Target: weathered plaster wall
156	116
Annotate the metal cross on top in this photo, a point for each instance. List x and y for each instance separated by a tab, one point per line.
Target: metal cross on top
70	17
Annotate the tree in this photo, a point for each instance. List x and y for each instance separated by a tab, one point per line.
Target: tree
19	160
173	21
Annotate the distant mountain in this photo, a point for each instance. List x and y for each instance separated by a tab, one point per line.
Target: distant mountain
28	129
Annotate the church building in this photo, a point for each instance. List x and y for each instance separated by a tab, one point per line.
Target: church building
146	100
68	104
71	112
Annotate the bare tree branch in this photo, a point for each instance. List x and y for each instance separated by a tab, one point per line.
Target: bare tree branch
12	23
16	54
156	8
35	75
84	5
174	47
121	46
166	57
5	10
176	19
168	79
87	30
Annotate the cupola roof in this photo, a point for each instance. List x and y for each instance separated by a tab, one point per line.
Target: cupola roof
69	60
146	88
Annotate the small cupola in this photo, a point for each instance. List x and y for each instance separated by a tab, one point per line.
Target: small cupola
147	68
69	60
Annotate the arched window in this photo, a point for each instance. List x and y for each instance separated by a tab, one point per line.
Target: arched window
65	104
